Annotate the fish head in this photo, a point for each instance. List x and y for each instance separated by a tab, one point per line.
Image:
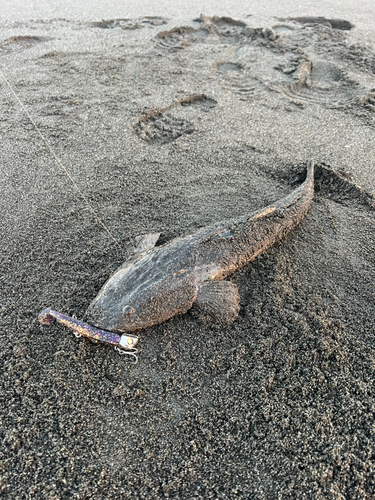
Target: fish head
141	295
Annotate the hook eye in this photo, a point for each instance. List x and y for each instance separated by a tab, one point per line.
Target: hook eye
128	311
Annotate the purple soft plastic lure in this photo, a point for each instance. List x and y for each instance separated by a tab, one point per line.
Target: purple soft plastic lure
125	344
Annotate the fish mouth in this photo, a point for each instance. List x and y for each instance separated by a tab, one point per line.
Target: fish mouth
109	320
95	316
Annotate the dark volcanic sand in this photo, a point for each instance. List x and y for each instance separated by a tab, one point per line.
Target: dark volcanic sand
281	403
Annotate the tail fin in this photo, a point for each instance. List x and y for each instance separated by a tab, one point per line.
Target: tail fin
306	189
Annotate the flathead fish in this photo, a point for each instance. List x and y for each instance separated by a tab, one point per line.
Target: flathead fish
159	282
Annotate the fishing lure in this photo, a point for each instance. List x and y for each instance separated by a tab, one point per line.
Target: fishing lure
124	344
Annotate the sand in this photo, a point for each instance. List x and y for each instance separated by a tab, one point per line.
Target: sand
170	127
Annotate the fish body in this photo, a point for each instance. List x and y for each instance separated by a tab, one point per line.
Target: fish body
157	283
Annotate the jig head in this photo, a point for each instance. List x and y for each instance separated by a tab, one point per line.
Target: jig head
124	344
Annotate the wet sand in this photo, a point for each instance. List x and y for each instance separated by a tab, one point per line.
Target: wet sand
170	127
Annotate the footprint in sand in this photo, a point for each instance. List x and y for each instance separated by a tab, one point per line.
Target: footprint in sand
318	58
180	37
166	125
321	37
336	24
129	24
21	42
237	81
322	82
226	30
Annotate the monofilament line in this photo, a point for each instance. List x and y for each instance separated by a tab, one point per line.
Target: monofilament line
58	160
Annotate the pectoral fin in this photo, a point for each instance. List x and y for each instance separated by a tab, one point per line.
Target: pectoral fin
217	302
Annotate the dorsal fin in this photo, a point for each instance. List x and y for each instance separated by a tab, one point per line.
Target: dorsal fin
145	242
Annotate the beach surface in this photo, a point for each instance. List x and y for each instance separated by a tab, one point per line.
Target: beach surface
168	120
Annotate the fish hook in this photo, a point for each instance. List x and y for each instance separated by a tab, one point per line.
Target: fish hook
129	352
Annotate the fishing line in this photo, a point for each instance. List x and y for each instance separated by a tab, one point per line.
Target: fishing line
59	161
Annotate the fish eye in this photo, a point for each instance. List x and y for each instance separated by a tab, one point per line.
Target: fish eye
128	310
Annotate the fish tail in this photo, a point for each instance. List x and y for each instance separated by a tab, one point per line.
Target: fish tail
304	192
